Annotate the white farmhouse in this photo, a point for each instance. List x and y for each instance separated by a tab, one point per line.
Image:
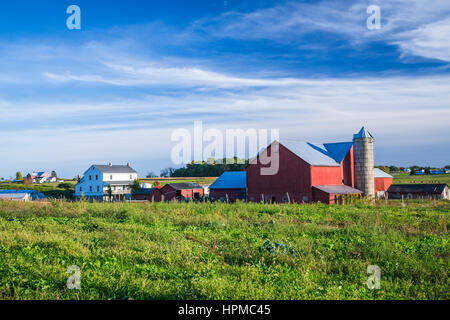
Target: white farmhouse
101	181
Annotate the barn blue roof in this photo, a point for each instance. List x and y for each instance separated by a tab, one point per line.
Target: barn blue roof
231	180
316	154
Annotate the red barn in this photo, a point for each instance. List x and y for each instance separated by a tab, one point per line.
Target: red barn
302	166
311	172
182	191
150	194
382	182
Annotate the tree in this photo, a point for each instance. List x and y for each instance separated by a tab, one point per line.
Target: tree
151	174
109	192
19	176
54	175
167	172
135	186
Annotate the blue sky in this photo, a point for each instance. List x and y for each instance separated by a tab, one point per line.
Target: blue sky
137	70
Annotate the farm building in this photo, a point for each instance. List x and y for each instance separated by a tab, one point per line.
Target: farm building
100	180
311	172
20	197
230	186
383	181
148	194
26	195
182	191
418	191
39	177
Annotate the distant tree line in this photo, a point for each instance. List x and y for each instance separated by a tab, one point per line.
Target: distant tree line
210	168
413	169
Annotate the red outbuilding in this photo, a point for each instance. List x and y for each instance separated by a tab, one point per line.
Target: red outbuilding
230	186
182	191
150	194
382	182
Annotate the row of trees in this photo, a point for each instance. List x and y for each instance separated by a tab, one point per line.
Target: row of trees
390	169
210	168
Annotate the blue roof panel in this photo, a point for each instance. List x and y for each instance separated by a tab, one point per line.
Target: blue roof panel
338	151
231	180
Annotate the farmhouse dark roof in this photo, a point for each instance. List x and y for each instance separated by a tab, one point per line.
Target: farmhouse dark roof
145	191
115	169
343	189
417	188
185	185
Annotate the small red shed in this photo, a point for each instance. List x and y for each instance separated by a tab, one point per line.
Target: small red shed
383	181
182	191
151	194
330	194
230	186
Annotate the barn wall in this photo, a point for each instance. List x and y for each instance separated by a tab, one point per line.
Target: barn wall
321	196
233	194
321	176
382	184
348	172
293	177
170	193
189	193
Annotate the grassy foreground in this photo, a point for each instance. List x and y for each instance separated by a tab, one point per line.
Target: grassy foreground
220	251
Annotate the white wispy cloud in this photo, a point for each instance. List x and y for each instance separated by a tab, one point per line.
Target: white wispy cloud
418	27
430	41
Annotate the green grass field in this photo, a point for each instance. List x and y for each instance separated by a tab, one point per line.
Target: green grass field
403	178
52	190
220	251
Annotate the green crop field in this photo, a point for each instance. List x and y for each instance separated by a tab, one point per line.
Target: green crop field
220	251
400	178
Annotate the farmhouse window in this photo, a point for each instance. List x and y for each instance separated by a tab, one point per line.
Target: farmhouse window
96	177
98	189
90	178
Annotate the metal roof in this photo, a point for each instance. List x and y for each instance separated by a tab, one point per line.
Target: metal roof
378	173
118	183
33	193
363	133
342	189
231	180
327	155
114	169
145	191
412	188
185	185
14	196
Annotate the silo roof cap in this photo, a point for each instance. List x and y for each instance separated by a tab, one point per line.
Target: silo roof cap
363	133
